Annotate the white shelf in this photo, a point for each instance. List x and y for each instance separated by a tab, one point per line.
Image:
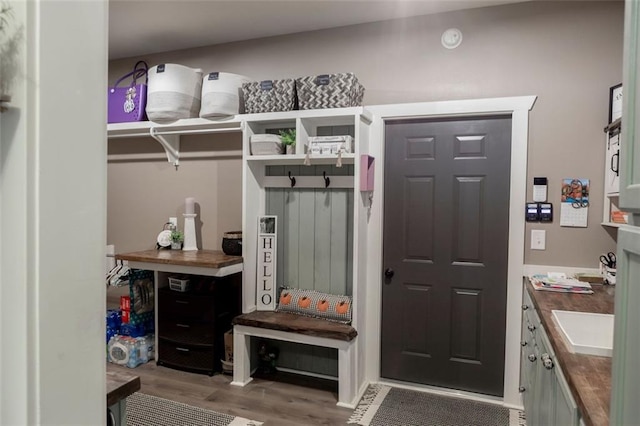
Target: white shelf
298	159
331	116
612	224
182	127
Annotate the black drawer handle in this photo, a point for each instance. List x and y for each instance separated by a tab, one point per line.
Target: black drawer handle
183	325
182	349
182	302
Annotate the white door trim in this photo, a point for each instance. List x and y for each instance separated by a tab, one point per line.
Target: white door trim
518	108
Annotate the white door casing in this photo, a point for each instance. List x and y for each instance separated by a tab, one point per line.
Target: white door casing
519	108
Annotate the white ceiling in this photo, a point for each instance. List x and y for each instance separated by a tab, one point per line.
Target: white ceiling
138	27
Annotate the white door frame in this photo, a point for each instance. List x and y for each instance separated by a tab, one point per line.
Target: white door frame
53	186
518	108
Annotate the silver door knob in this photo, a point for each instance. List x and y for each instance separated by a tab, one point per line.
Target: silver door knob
523	343
532	358
521	389
547	362
525	307
531	327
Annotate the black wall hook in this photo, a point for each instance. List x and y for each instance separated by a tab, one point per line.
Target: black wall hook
292	179
327	181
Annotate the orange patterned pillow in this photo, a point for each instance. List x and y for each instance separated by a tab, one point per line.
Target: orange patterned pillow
315	304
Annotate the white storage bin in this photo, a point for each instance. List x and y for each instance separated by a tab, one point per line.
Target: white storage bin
222	94
177	284
173	92
266	144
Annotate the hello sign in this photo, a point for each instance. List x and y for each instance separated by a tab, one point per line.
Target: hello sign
266	274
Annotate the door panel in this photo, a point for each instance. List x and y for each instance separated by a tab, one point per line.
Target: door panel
446	239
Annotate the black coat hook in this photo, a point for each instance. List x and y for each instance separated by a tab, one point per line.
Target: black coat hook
292	179
327	181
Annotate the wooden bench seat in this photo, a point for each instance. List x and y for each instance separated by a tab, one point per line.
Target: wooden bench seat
298	329
293	323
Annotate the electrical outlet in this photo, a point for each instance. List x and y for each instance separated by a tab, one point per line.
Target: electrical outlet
538	239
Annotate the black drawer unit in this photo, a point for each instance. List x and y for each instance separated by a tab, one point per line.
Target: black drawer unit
191	325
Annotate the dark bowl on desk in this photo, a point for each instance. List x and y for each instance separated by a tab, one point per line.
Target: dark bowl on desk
232	243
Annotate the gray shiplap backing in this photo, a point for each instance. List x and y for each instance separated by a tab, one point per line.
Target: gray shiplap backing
315	233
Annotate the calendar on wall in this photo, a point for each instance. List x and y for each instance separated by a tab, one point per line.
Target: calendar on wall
574	206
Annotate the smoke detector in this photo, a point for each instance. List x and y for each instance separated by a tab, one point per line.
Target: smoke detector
451	38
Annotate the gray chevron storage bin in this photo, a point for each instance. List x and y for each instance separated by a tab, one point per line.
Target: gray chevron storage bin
329	91
269	96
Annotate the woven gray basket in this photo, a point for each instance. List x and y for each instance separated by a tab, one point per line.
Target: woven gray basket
269	96
329	91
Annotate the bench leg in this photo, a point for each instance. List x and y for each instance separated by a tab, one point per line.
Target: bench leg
241	358
347	377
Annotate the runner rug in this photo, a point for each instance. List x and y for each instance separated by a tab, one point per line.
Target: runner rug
148	410
389	406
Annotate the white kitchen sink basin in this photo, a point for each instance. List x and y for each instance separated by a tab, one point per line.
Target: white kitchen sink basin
586	333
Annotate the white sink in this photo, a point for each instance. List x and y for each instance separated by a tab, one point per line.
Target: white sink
586	333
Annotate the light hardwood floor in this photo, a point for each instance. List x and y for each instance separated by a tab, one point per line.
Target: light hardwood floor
275	403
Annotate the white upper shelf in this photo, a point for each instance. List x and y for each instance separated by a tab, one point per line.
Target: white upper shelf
168	134
231	123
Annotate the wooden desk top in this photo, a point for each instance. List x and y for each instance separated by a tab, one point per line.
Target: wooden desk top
120	385
201	258
589	377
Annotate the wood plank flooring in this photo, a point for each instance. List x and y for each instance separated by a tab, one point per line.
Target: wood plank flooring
273	402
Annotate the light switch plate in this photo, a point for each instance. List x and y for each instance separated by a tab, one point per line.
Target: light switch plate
538	239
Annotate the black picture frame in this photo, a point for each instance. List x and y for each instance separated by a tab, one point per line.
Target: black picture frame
614	91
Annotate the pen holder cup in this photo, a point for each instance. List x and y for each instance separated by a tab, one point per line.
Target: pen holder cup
610	275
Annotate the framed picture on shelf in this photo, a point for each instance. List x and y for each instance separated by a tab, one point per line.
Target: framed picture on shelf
615	103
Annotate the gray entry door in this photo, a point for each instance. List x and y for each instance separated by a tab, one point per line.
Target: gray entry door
446	229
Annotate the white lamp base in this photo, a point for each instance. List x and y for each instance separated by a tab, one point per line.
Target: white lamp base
189	232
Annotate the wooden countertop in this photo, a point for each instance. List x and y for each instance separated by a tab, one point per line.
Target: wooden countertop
120	385
589	377
198	258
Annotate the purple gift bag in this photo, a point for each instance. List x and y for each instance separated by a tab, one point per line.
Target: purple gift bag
128	103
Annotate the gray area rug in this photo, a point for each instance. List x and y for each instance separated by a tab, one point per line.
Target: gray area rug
386	406
148	410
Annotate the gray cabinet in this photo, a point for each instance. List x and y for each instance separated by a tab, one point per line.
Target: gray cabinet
625	377
545	392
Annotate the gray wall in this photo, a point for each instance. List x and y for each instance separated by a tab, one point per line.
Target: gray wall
566	53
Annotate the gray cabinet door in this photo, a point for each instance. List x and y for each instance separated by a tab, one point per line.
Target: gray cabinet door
545	388
630	145
625	381
566	410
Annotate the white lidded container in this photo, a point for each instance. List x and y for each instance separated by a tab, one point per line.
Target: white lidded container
266	144
173	92
222	94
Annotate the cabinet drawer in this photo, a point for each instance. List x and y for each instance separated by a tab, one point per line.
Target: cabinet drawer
186	306
186	357
187	332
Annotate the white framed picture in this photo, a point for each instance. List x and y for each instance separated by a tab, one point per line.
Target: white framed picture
266	273
615	103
